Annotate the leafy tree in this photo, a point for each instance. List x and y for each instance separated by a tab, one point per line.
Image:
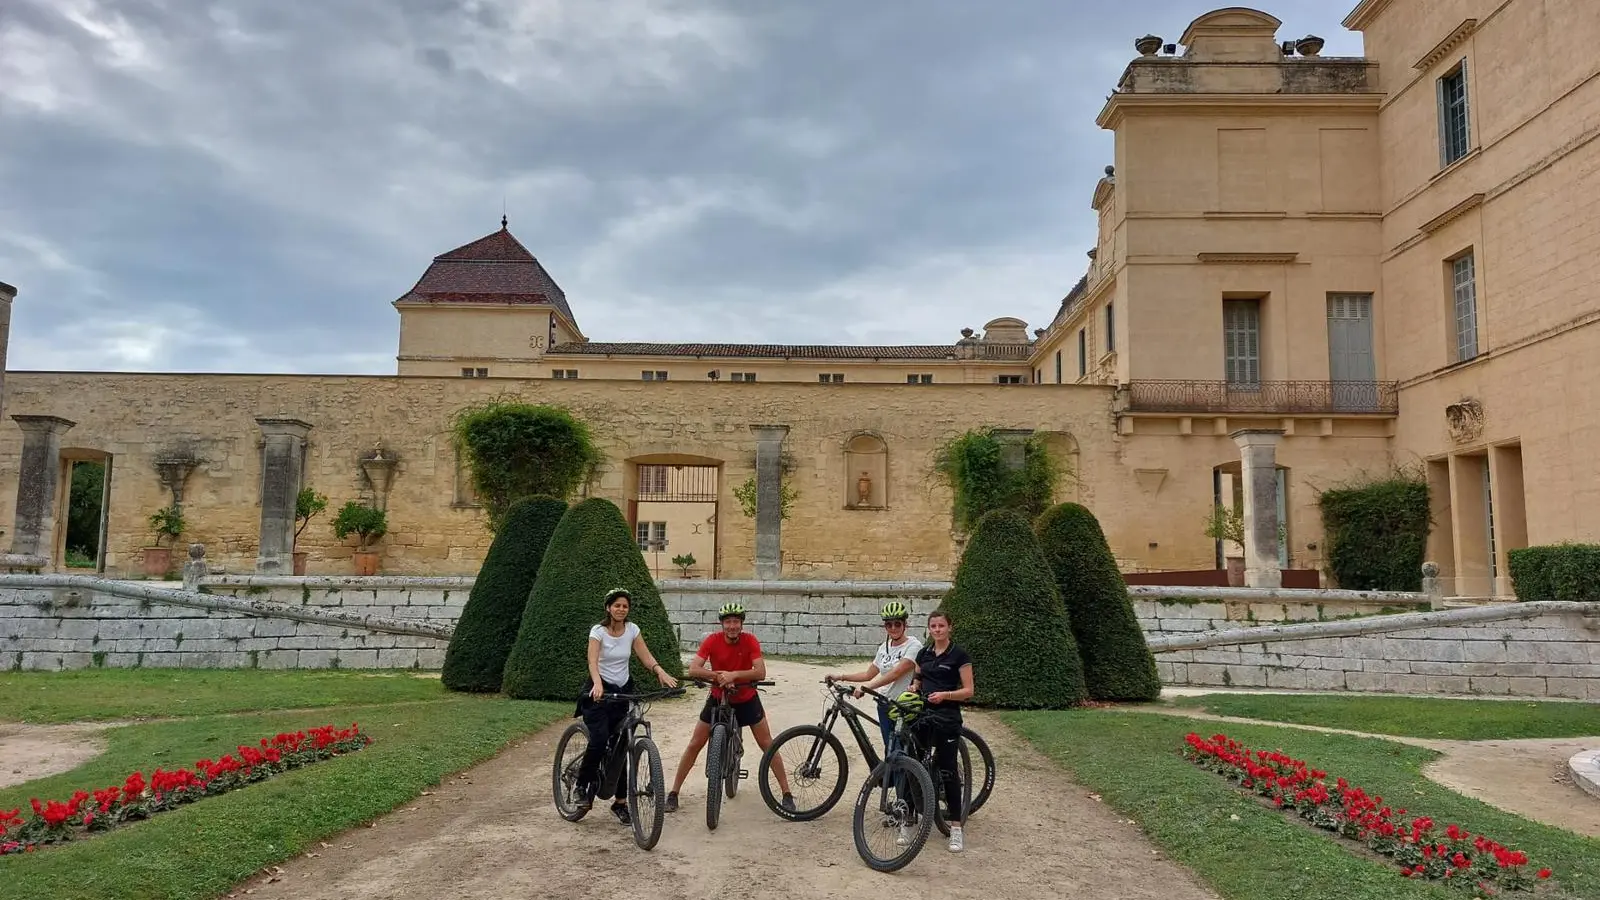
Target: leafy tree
972	466
307	504
476	656
1117	663
591	552
1006	612
516	450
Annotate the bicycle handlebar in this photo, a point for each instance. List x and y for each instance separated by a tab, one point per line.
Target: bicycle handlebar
647	696
707	681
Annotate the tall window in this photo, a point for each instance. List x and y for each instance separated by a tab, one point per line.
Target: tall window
651	535
1111	327
1464	295
1083	352
1058	367
1454	118
652	479
1241	342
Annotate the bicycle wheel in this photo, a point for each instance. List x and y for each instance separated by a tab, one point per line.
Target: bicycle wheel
564	771
810	746
883	819
979	750
647	793
964	768
716	749
731	770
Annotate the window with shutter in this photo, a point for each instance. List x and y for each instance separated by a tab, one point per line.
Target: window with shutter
1241	348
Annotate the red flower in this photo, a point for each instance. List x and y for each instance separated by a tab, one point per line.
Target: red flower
1544	873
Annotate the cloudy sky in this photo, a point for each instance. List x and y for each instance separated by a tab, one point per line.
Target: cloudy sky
245	185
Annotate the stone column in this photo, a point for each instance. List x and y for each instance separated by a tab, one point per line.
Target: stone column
7	294
1258	455
38	482
769	499
282	464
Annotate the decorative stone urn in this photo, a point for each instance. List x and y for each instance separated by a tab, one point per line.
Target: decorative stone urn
1310	45
863	489
1149	45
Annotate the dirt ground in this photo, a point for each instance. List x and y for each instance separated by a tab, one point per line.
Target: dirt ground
1526	777
494	832
36	751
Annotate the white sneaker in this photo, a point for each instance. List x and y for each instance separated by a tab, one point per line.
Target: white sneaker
956	843
905	836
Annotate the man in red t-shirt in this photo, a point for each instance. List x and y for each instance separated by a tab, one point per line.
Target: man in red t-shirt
725	659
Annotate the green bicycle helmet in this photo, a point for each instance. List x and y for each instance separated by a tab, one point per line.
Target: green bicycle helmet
614	593
906	706
730	609
894	609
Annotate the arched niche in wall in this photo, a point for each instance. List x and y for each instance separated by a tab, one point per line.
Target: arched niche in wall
866	472
1063	447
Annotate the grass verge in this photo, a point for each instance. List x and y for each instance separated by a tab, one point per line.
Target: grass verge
99	695
1133	761
202	849
1448	719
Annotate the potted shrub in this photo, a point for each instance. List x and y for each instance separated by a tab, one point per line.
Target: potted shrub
306	507
684	561
168	525
368	524
1227	525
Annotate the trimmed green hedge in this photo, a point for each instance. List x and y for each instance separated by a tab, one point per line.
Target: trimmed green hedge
1117	663
489	622
1006	612
591	552
1376	534
1556	572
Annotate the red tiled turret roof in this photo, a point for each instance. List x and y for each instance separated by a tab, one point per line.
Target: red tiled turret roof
495	268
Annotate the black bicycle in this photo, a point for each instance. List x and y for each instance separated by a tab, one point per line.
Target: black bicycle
898	803
626	753
725	753
814	744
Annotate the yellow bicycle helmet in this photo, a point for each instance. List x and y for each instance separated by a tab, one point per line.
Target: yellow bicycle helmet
894	609
906	706
730	609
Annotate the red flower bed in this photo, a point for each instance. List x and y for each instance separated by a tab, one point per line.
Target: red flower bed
1470	862
54	821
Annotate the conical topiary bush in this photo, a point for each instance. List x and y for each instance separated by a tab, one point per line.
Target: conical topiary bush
1117	663
591	552
1005	611
489	622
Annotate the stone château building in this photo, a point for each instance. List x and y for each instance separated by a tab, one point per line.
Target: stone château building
1308	269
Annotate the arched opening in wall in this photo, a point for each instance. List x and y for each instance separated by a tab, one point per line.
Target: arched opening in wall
672	509
866	472
1063	448
1227	519
83	502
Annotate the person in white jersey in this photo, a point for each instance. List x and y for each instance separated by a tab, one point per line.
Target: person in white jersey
894	664
611	645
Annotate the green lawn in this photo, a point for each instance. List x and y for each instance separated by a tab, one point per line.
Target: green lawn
1133	760
420	733
1450	719
99	695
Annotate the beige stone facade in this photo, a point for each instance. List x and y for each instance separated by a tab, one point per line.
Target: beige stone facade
1340	265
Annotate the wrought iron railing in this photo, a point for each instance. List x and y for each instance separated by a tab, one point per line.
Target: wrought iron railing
1378	397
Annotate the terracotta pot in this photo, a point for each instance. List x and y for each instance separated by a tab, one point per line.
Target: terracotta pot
863	489
300	562
157	561
366	562
1236	571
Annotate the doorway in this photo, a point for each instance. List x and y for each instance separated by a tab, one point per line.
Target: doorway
673	512
85	506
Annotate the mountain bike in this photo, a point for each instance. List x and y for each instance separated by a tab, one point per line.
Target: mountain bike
897	802
724	753
817	743
627	753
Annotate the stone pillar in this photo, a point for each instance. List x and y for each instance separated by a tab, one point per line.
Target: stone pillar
1258	455
282	464
769	499
7	294
38	482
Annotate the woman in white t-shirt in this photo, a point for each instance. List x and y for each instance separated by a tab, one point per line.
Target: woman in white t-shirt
894	664
612	643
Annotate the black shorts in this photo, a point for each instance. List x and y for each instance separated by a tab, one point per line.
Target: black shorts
747	714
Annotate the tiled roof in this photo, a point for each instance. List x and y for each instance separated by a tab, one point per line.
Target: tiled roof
759	351
495	268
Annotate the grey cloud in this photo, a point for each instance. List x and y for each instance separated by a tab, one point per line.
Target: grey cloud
194	177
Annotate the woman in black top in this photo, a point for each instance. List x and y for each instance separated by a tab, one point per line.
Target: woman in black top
944	679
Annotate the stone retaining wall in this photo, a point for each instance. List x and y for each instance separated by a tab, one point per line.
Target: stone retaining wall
76	622
1546	649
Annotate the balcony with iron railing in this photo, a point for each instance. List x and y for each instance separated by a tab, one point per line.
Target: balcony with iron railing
1263	397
